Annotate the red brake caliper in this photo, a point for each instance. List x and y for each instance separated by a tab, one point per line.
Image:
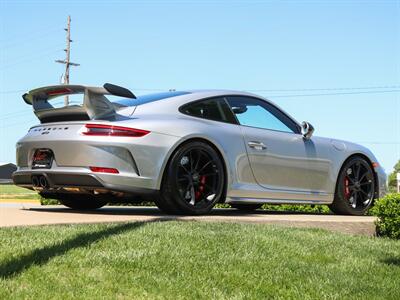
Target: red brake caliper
201	187
346	188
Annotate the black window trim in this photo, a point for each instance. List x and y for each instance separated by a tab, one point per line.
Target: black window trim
282	116
292	125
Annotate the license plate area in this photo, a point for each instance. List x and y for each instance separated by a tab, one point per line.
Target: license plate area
42	159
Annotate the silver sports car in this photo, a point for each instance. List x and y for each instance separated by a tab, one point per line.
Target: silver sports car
187	151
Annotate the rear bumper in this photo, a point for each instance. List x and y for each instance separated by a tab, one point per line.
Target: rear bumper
139	161
62	180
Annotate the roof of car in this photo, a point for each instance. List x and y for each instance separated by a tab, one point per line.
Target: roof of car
180	97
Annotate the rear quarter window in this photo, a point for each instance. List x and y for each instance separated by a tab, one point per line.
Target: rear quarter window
215	109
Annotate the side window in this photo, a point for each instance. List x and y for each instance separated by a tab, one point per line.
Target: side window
215	109
257	113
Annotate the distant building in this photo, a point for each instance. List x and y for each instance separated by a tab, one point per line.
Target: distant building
6	170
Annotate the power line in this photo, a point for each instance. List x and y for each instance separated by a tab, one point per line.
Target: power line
328	89
276	90
276	96
28	60
29	34
379	143
29	55
134	89
12	92
332	94
27	37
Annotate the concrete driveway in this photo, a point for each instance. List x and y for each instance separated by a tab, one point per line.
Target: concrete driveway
29	213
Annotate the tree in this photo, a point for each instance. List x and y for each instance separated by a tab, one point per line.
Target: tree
393	177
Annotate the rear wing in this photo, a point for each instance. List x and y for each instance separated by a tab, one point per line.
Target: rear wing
95	105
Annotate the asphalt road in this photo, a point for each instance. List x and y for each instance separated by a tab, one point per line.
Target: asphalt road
29	213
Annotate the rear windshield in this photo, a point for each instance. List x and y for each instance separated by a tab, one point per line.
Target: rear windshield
148	98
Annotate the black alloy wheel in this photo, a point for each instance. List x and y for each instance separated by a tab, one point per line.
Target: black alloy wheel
194	180
355	189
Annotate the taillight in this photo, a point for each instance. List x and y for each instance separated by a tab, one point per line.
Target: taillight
110	130
104	170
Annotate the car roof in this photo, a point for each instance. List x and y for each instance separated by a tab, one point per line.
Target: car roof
178	98
191	95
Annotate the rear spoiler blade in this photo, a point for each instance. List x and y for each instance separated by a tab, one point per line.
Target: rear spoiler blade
95	104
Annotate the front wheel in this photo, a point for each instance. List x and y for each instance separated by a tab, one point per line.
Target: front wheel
194	180
355	188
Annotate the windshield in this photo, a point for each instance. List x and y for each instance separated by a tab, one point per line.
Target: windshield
148	98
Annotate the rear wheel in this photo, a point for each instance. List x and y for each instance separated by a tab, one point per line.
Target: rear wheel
355	188
193	182
246	207
82	202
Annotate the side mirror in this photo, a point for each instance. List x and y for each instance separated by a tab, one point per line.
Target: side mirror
307	130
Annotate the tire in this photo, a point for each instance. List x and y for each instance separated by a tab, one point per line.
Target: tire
163	204
246	207
82	202
355	188
193	182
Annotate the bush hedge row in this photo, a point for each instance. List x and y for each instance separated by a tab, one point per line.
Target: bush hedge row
387	209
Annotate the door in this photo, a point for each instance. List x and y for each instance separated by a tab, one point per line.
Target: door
280	158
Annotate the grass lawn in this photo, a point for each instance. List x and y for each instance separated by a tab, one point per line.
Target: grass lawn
178	260
9	191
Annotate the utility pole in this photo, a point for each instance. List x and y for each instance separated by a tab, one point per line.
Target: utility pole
67	61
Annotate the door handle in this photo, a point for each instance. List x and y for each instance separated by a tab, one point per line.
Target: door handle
257	145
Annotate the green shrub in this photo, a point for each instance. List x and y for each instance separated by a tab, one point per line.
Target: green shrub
387	209
318	209
47	201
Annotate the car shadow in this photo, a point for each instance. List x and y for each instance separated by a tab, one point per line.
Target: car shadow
392	261
41	256
154	211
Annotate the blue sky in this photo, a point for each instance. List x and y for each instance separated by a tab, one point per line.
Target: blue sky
262	46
